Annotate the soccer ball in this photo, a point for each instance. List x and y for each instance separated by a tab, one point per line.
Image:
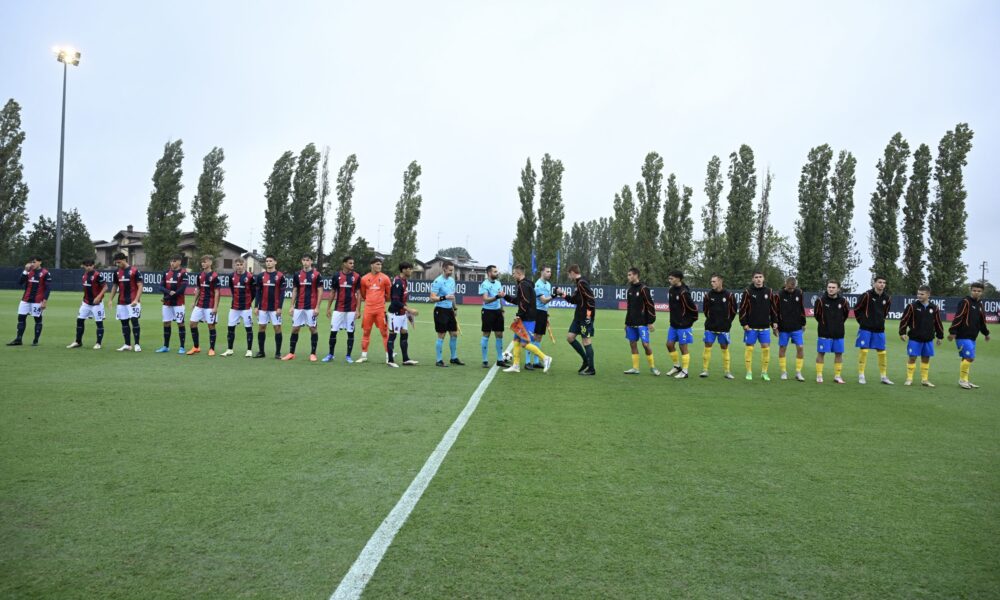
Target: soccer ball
508	357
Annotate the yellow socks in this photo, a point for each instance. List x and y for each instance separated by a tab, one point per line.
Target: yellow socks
676	357
963	370
883	363
706	357
517	353
862	360
726	359
685	361
765	358
910	368
534	350
783	363
799	362
748	358
635	362
650	360
819	369
838	368
925	371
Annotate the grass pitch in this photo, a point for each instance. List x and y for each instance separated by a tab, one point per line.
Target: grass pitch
162	476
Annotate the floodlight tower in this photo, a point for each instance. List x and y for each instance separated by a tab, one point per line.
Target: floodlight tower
67	56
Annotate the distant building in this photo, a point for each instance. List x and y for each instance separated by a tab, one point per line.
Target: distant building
466	269
130	242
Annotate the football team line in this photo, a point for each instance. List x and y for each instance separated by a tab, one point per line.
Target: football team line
382	304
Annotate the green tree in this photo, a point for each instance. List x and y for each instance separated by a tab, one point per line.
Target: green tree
713	241
455	252
740	216
623	253
163	215
13	190
914	215
41	241
842	254
345	216
404	246
946	224
884	210
764	220
676	243
647	233
549	234
810	228
578	247
324	208
76	242
363	253
303	210
521	249
277	224
210	223
603	244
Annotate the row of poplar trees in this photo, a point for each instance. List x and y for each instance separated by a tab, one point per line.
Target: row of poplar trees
652	229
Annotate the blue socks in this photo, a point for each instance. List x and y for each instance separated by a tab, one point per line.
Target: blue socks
453	346
438	347
499	346
484	345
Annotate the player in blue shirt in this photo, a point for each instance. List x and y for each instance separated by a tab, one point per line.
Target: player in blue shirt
445	321
543	295
492	318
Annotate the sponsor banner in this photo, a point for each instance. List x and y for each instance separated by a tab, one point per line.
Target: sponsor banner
467	292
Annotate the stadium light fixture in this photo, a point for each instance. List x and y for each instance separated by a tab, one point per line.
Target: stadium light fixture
67	56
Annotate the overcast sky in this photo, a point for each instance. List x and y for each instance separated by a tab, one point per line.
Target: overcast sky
471	89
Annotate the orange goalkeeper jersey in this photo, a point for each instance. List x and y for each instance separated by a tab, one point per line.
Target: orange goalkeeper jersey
375	292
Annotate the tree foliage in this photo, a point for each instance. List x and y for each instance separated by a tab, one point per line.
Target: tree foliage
946	225
883	211
647	231
277	224
524	239
324	207
623	254
810	228
210	223
914	218
345	215
740	216
404	246
842	255
163	215
13	190
551	212
713	241
676	242
76	241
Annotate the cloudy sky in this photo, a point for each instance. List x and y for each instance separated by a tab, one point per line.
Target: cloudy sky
471	89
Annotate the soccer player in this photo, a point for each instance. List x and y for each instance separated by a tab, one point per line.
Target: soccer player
492	316
790	310
720	310
307	286
127	285
543	295
242	293
640	314
445	320
206	305
757	317
683	314
175	282
921	323
968	323
343	305
523	325
583	320
831	311
399	322
270	290
374	292
37	283
870	313
92	306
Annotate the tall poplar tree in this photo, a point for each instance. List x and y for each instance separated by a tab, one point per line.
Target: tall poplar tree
210	223
676	240
345	215
277	224
551	213
324	207
303	210
647	235
914	219
810	228
13	190
404	246
764	220
713	242
523	241
602	246
163	215
740	215
622	236
946	225
883	211
842	254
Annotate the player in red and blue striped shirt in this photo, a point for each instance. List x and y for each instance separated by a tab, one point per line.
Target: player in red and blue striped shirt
206	305
269	290
127	284
92	306
37	283
174	286
241	289
342	308
307	286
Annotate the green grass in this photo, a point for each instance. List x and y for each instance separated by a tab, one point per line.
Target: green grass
160	476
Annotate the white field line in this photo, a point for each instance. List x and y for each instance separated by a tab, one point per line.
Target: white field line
354	582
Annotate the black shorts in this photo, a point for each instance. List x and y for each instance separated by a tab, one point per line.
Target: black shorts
581	328
541	322
492	321
444	320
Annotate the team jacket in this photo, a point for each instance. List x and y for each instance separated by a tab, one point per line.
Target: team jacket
398	295
37	285
174	281
790	308
92	287
525	300
640	310
757	309
270	288
242	289
969	321
921	323
683	312
831	314
871	310
583	298
720	310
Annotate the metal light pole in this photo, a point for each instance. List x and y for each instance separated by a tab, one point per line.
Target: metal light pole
67	56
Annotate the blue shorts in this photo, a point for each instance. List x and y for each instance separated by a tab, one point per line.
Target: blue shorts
966	348
681	336
869	340
634	334
824	345
754	336
529	326
790	336
711	337
923	349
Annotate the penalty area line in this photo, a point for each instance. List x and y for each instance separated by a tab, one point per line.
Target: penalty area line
353	584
